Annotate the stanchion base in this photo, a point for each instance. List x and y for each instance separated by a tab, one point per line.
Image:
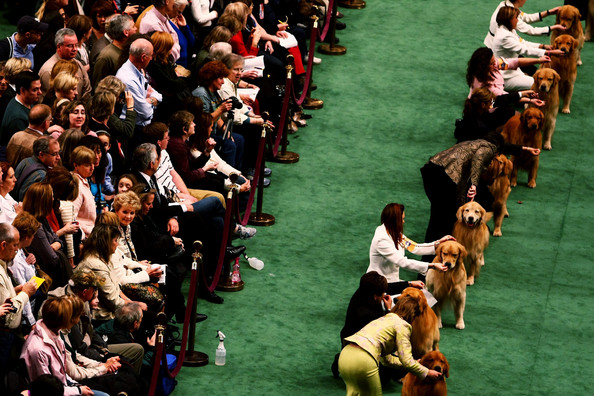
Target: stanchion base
263	219
328	49
287	158
195	359
231	287
353	4
313	104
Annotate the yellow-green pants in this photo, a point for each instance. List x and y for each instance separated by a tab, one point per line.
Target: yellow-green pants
360	372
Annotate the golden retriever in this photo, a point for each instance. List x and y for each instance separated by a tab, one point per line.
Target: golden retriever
449	286
471	231
498	172
414	386
569	17
566	67
425	330
525	130
546	84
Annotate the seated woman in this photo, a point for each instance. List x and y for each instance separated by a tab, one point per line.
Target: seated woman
164	77
121	130
211	78
61	220
46	246
83	161
386	254
44	351
22	267
74	115
9	208
96	256
507	44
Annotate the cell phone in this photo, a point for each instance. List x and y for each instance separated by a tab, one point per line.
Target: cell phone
12	308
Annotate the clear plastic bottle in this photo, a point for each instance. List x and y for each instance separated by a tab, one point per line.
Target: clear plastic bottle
221	353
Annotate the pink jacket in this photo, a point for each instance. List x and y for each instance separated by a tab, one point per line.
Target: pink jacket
85	211
44	353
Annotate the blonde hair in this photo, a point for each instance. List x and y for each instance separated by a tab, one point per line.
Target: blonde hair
14	66
162	44
64	82
128	198
82	156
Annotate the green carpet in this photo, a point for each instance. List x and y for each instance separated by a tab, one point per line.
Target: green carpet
390	103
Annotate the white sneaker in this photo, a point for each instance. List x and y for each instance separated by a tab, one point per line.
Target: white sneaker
316	60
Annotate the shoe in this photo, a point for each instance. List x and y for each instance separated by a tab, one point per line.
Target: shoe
233	252
211	297
243	232
305	116
266	182
339	14
250	173
200	317
334	367
316	60
340	25
292	127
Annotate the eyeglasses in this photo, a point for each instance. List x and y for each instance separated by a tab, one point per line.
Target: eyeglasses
237	70
56	154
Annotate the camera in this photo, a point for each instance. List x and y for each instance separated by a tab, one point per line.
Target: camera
12	308
235	103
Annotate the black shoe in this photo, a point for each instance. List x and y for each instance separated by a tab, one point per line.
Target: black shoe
306	116
234	252
340	25
200	317
334	367
213	298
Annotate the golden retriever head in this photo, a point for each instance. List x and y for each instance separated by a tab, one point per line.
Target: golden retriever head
471	214
532	118
435	360
418	295
565	43
545	80
499	166
450	254
568	16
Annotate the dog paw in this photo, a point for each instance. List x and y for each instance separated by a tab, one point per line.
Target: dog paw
506	214
531	184
579	62
497	233
547	146
565	111
460	325
470	281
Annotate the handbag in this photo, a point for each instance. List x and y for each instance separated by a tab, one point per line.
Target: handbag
45	286
147	293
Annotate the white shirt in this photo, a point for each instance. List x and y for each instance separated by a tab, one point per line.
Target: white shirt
7	212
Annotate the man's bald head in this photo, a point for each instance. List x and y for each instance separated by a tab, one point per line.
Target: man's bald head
39	114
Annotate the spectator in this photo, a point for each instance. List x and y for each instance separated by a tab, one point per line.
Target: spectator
82	26
133	75
22	43
66	49
9	208
106	63
17	297
12	68
46	246
22	267
46	155
20	145
69	140
74	116
101	14
63	86
16	116
187	41
121	130
157	20
107	186
85	211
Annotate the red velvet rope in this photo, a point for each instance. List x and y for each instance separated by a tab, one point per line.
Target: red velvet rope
310	59
327	21
255	180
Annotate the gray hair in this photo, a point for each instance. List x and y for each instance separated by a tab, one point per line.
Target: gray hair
60	34
143	156
218	50
128	314
231	60
118	23
8	233
178	3
41	145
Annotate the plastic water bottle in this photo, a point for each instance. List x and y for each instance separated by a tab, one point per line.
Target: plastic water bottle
221	353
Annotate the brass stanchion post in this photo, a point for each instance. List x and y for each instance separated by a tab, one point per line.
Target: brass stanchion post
286	157
259	218
332	48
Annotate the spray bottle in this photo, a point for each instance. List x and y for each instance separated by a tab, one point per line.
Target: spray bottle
221	351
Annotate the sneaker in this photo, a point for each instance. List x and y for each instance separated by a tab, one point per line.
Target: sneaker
316	60
244	232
